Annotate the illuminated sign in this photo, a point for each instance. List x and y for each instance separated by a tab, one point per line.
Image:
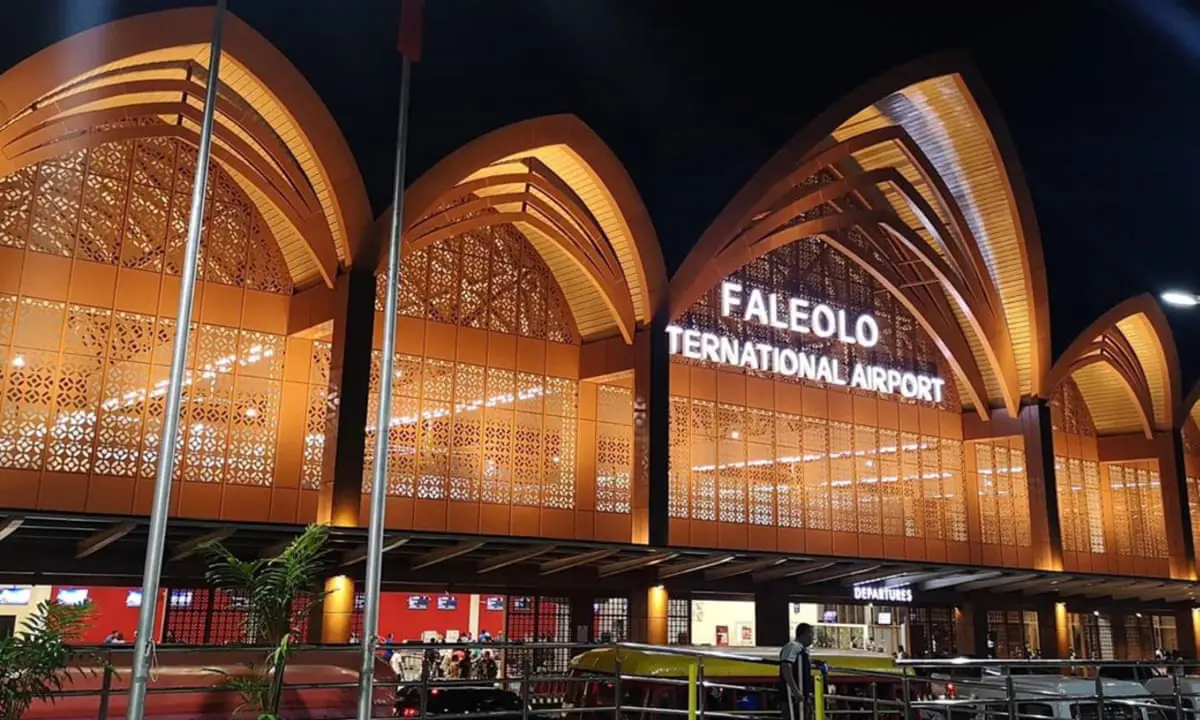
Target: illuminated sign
72	596
881	593
15	595
803	318
133	599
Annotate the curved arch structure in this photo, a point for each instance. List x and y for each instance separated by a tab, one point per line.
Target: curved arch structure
144	77
920	190
555	180
1127	369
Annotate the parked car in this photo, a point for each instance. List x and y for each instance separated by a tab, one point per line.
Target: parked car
458	700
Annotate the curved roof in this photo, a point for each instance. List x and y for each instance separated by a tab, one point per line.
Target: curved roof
146	75
1127	369
555	180
917	186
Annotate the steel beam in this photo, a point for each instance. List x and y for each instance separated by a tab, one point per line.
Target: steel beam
637	563
512	558
667	572
353	557
10	525
443	554
102	539
553	566
189	548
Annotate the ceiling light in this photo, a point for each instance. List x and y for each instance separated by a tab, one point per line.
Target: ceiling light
18	361
1179	298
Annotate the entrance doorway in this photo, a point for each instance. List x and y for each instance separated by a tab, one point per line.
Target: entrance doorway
8	625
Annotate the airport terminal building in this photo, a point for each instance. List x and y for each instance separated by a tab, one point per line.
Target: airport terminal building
841	408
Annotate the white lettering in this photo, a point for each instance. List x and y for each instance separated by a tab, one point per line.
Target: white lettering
729	351
937	389
776	321
878	379
882	593
841	329
749	357
866	331
808	366
756	309
797	315
825	369
824	322
764	356
673	332
838	378
788	363
691	344
924	388
859	378
730	297
800	316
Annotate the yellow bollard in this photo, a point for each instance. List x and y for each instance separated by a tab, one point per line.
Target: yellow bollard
818	694
692	676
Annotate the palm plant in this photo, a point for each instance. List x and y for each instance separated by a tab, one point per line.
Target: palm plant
37	662
271	587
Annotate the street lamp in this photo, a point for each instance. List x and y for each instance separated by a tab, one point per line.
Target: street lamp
1179	298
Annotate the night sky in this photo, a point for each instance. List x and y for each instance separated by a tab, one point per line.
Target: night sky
1100	98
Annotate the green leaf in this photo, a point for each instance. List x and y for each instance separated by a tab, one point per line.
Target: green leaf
38	661
271	588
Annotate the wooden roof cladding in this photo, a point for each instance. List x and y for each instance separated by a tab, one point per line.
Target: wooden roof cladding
974	200
914	190
526	193
1127	369
146	76
586	250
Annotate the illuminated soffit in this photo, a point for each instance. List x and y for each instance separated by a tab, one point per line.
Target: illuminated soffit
276	144
943	120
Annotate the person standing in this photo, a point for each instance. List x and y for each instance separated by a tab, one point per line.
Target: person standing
795	674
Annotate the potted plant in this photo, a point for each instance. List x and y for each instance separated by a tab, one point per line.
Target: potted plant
271	589
38	661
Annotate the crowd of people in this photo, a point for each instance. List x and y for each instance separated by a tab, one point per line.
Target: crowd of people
465	658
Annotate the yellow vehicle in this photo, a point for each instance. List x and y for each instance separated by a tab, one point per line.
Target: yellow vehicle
667	678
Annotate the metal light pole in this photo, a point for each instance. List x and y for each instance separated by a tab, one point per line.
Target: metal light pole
383	417
166	448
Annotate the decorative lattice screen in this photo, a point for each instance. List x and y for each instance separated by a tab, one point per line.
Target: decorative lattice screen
1139	524
738	464
127	203
1003	491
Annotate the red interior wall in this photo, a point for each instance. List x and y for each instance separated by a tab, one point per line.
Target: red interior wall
491	621
110	613
405	624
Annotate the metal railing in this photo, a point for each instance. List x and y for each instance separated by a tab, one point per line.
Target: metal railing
630	681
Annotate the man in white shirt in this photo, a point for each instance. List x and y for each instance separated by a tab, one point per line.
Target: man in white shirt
795	674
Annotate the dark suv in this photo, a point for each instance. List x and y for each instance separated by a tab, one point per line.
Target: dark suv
459	701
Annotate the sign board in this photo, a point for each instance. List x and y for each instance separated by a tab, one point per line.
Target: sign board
883	594
800	317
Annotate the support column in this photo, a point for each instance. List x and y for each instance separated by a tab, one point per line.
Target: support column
970	629
1048	630
771	617
1038	437
1172	467
1187	622
349	383
583	614
651	435
334	619
648	616
1062	631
